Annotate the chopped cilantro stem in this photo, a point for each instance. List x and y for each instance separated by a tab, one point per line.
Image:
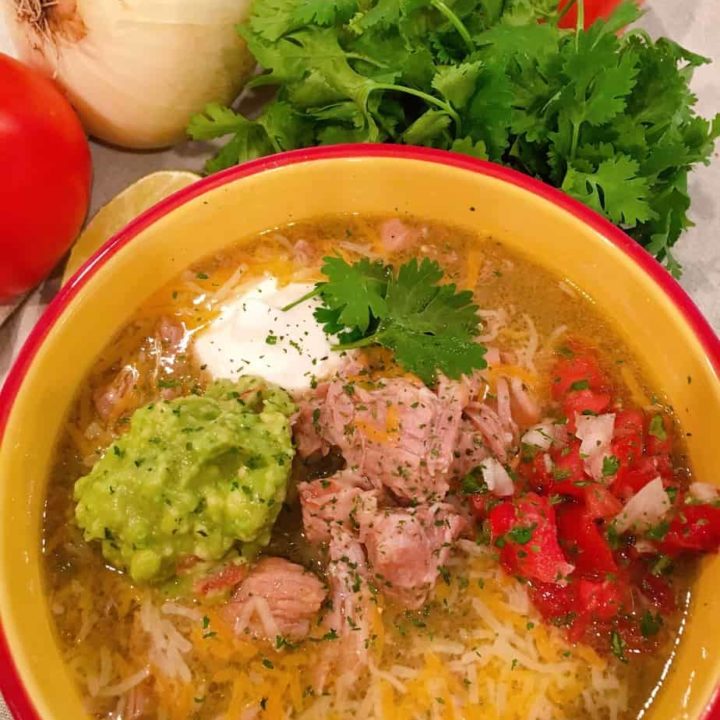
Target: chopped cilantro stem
456	23
446	107
307	296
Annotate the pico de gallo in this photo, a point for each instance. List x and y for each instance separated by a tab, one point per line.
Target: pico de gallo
601	517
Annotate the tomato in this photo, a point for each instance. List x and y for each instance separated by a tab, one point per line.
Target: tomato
573	374
46	173
630	480
600	503
695	528
583	543
583	402
526	532
594	9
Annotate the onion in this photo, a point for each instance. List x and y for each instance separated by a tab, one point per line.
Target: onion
644	509
496	477
704	492
540	435
596	432
136	70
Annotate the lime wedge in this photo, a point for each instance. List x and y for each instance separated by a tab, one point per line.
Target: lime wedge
123	208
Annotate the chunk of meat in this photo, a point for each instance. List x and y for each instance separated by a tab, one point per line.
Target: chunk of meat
335	502
278	598
396	236
397	432
350	614
408	546
116	397
470	450
496	434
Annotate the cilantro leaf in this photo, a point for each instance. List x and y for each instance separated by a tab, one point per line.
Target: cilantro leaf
428	325
613	189
608	117
355	292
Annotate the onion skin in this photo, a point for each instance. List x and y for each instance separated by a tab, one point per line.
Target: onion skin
137	70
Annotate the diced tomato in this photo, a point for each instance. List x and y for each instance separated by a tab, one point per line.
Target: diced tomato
600	599
695	528
568	466
553	601
535	471
580	372
600	503
658	437
584	402
582	541
629	423
627	444
525	530
630	480
658	592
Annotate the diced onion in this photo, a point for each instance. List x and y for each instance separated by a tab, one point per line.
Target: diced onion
496	478
540	435
644	509
704	492
595	433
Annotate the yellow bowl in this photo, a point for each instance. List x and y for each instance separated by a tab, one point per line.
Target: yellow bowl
649	309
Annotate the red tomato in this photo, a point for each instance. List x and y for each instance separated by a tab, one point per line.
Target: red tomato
695	528
45	185
601	600
580	372
525	531
584	401
600	503
594	9
583	543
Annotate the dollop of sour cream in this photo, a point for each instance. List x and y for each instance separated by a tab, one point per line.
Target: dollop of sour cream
254	336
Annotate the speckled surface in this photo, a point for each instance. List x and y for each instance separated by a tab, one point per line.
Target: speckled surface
693	23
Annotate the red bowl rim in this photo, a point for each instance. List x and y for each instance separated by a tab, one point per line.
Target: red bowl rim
15	694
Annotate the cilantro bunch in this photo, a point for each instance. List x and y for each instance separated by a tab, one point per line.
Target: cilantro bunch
430	327
607	118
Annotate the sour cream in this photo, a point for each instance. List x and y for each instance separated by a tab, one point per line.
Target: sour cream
254	336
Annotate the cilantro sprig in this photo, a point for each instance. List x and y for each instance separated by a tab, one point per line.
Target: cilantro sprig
429	326
608	118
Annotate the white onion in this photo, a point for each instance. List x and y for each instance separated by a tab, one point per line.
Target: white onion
644	509
496	477
595	432
136	70
704	492
540	435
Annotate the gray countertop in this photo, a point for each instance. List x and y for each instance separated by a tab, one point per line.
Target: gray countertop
693	23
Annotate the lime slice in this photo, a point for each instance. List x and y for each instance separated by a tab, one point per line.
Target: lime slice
123	208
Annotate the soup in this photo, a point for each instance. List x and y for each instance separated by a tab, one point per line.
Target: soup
444	519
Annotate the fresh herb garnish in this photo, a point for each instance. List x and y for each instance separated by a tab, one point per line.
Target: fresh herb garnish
650	624
657	428
610	465
617	645
608	117
428	325
521	535
580	385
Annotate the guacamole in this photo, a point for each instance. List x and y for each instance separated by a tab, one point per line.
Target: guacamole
192	477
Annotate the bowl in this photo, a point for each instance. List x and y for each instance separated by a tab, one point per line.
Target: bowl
648	308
